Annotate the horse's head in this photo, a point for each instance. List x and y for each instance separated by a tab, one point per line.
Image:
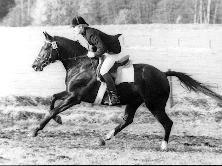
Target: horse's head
48	53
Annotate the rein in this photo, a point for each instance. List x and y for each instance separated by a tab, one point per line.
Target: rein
76	57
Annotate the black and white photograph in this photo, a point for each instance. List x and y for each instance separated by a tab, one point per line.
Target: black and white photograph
110	82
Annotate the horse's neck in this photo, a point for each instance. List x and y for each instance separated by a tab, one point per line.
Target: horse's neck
79	64
70	60
75	61
69	63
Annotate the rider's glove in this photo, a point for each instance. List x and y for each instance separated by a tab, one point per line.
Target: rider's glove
91	54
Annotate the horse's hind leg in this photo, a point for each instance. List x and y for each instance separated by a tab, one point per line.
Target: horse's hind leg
162	117
127	119
55	97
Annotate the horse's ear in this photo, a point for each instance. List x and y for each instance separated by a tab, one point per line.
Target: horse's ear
47	36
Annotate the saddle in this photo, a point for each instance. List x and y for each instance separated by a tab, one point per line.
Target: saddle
122	62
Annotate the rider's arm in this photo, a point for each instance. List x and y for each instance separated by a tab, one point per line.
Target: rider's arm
101	48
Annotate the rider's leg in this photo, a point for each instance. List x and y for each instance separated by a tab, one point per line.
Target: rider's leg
106	66
111	89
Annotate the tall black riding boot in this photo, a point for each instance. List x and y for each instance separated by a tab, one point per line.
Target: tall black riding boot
112	89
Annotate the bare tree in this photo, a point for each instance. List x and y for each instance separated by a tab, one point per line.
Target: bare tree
208	11
215	11
22	12
28	8
201	12
195	12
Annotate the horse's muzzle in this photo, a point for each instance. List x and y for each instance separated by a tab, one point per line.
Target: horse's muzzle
36	68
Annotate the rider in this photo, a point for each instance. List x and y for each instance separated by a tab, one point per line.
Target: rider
101	43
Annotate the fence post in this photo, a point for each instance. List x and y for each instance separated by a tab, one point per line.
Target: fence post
123	40
171	92
150	39
209	43
178	42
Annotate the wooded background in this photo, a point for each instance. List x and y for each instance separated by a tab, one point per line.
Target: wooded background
61	12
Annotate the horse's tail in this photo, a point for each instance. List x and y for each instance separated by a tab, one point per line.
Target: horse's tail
194	85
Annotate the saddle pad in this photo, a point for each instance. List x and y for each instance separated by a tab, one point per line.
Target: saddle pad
125	74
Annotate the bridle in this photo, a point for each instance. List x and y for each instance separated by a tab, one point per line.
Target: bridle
49	58
54	46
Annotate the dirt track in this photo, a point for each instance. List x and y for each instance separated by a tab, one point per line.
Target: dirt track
196	137
62	145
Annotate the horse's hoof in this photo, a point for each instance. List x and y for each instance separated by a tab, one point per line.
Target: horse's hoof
58	119
164	146
33	134
102	142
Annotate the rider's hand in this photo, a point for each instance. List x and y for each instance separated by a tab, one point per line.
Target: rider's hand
92	48
91	54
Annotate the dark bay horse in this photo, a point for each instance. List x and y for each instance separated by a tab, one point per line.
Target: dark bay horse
151	85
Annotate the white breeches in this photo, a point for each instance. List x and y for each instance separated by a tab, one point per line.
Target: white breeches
109	62
110	59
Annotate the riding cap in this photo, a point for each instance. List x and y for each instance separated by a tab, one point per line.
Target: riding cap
78	20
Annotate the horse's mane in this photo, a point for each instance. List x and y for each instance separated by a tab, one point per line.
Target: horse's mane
72	46
74	49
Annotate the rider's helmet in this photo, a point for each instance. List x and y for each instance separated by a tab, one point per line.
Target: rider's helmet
78	20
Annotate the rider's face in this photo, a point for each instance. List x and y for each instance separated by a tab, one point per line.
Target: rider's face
78	29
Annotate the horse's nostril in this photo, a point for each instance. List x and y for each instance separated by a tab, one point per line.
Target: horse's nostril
34	67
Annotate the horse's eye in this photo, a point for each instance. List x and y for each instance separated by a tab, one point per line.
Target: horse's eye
49	46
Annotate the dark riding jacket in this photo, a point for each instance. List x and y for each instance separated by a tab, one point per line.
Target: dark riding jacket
101	42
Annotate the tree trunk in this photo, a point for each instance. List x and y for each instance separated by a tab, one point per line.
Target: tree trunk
28	12
215	11
208	11
195	12
201	11
204	15
22	12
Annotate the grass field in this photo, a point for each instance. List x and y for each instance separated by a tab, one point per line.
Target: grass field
196	137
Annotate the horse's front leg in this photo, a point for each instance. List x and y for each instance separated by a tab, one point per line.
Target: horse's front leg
55	97
70	100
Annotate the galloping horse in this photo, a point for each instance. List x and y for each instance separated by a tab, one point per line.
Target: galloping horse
150	85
